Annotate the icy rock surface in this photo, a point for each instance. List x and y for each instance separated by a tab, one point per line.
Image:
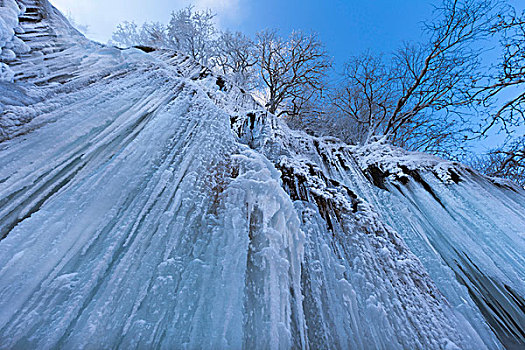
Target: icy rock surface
147	203
10	45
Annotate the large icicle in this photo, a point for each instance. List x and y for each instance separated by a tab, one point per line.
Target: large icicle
460	224
146	202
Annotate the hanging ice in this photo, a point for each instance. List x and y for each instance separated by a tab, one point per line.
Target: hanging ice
145	203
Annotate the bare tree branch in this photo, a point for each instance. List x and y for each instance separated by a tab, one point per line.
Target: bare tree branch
292	70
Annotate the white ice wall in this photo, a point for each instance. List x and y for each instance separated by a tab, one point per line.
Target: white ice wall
143	204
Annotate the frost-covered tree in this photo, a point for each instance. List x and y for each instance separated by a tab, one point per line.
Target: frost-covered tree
194	33
236	57
190	31
292	70
154	34
127	34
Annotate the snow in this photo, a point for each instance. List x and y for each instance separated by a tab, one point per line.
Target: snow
146	205
381	274
10	45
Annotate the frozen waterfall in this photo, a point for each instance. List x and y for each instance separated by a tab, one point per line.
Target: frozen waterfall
147	203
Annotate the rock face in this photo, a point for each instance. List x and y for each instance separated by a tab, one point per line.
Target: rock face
146	202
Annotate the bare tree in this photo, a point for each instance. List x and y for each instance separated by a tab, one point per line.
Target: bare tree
438	76
367	96
189	31
236	57
419	99
507	161
292	70
507	78
501	95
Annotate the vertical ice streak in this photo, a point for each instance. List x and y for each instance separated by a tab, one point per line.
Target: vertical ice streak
145	205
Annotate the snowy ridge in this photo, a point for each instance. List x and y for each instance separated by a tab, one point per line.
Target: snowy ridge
146	202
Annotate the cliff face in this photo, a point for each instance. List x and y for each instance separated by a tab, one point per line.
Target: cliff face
146	202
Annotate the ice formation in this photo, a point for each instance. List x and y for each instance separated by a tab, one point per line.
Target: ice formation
148	203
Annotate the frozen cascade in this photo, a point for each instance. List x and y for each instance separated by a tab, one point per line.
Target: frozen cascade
450	216
146	202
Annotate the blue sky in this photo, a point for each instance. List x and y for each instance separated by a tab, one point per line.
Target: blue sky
347	27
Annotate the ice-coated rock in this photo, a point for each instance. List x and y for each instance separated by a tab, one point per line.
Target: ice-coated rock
143	204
